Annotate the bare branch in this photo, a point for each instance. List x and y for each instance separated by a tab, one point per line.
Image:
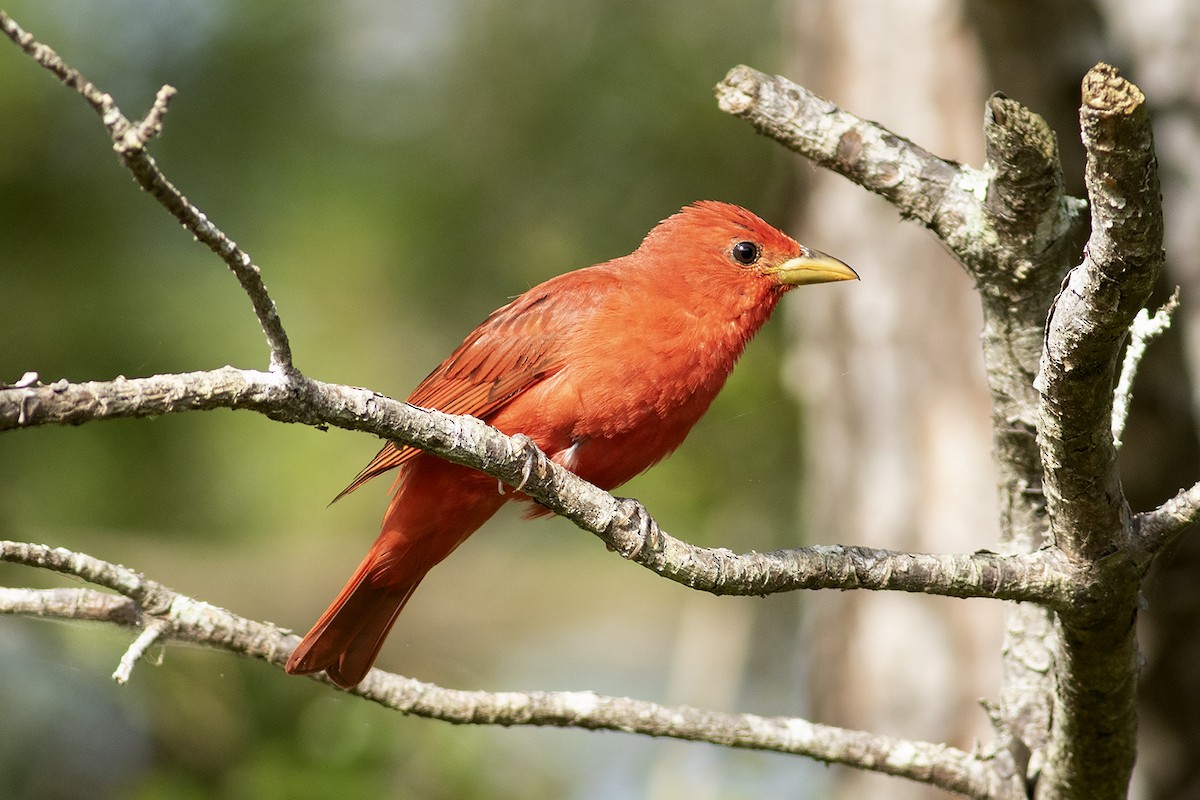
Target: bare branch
1093	746
81	604
1158	528
908	176
145	593
187	619
1028	236
1145	329
1016	233
1092	314
623	525
937	765
129	141
961	205
153	631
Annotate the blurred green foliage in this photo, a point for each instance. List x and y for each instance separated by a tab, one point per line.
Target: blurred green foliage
398	169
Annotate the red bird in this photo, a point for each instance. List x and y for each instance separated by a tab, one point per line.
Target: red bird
606	368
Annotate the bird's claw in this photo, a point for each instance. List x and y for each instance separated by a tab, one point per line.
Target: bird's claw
530	453
529	450
648	531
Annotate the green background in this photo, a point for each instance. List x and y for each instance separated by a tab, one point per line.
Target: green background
398	170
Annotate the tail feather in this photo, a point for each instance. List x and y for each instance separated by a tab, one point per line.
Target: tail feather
346	639
436	507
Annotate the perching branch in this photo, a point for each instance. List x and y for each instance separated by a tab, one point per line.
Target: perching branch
622	525
183	618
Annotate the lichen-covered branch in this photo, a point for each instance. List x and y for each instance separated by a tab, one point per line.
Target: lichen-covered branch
623	525
1144	329
129	141
182	618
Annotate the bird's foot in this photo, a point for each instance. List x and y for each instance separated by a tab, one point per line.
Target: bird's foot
530	452
648	535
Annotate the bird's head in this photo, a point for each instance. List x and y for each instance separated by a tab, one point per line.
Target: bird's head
730	240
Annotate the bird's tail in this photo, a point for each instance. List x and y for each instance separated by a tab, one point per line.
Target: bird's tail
437	506
346	639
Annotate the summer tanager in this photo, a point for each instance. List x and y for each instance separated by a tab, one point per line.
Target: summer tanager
606	368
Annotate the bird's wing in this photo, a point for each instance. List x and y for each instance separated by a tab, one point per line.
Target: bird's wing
513	349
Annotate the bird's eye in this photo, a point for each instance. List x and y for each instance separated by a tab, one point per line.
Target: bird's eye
746	253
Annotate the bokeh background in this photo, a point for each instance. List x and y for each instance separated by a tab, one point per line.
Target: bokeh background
399	169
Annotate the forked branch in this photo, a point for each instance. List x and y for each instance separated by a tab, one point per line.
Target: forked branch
150	606
129	141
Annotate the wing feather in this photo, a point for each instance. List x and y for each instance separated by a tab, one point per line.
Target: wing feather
517	346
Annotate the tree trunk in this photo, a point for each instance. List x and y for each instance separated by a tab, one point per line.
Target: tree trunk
897	430
895	405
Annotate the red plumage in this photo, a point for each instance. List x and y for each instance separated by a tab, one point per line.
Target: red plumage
606	368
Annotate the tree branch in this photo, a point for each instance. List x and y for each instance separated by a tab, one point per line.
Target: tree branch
961	205
183	618
89	605
1158	528
1092	314
623	525
1016	233
1144	329
909	177
154	630
129	141
1093	747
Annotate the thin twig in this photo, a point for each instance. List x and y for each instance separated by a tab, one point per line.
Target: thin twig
153	631
1145	329
129	141
141	133
1158	528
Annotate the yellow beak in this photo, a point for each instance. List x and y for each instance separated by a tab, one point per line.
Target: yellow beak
811	267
